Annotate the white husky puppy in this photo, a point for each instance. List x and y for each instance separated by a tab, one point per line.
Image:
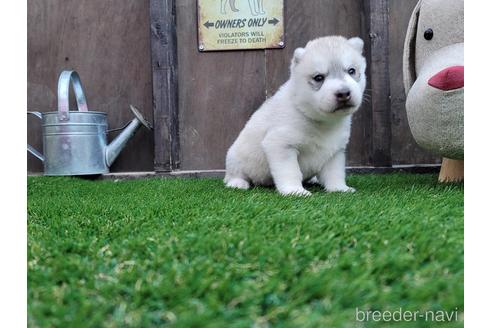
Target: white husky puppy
302	131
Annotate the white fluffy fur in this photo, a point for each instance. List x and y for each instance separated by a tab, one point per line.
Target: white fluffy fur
302	131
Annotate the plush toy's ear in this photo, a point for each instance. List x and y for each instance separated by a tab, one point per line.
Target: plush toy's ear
409	73
298	54
357	44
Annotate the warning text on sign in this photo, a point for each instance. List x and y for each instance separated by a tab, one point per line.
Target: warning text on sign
235	25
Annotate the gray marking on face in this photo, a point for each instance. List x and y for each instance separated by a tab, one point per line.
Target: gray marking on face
315	85
339	71
357	74
336	71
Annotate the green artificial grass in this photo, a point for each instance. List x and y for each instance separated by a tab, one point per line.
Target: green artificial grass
191	253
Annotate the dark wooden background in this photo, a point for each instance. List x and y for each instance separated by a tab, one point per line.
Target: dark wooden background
109	44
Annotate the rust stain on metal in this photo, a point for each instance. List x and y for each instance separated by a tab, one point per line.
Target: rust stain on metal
240	24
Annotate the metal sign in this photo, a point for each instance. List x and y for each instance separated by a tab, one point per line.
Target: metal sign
240	24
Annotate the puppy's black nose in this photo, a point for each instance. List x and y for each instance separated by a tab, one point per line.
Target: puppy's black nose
343	95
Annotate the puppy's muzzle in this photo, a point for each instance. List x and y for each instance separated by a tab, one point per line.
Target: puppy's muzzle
343	98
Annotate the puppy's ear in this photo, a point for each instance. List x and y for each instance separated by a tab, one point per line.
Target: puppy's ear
357	44
298	54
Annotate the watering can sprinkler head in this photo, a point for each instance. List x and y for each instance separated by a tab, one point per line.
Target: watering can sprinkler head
117	145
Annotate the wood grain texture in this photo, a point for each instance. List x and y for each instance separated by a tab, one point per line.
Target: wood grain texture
404	150
218	93
109	46
378	14
306	20
165	84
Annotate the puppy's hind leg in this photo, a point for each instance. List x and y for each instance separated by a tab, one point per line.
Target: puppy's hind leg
313	180
234	177
237	183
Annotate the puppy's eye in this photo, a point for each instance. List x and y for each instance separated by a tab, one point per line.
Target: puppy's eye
319	78
351	71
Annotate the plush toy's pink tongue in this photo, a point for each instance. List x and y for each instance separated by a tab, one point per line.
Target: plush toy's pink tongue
449	78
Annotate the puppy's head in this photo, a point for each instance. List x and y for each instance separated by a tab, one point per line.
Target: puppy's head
329	77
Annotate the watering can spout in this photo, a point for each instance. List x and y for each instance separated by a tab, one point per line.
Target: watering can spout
117	145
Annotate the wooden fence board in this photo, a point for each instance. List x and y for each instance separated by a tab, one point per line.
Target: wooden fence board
219	92
380	91
165	84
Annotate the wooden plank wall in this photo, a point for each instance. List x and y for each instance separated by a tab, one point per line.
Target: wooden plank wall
110	46
219	91
107	42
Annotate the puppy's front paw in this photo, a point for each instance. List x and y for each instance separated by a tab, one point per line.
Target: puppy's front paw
294	191
341	188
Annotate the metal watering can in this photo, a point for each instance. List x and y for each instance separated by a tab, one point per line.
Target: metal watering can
74	142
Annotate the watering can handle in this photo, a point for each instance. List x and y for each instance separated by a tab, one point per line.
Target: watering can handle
30	148
63	94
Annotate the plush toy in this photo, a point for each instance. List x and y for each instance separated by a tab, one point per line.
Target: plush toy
433	72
